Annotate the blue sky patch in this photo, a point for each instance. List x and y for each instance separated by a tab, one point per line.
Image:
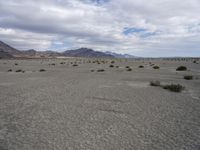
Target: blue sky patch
128	31
143	33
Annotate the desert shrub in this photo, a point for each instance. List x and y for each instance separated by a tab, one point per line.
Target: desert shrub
75	65
117	66
62	63
141	66
174	87
181	68
42	70
10	70
155	83
112	62
103	61
156	67
100	70
129	69
19	70
111	66
16	64
92	70
188	77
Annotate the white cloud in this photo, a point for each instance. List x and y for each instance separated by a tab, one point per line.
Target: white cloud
59	24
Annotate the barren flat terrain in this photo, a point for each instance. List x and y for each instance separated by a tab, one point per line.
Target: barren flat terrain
75	107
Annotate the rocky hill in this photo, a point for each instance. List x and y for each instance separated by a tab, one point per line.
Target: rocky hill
85	52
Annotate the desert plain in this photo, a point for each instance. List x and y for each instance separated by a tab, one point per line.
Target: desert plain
72	104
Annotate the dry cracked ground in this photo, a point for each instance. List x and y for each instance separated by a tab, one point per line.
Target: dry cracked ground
68	107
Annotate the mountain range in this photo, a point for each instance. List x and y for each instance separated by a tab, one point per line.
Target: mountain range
6	51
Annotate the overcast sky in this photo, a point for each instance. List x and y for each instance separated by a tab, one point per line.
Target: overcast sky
138	27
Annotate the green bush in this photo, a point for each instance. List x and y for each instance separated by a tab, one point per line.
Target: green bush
155	83
181	68
174	87
188	77
100	70
156	67
42	70
75	65
19	70
141	66
129	69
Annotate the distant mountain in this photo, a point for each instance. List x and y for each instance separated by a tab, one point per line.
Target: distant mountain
116	55
5	55
30	52
48	54
8	49
43	54
85	52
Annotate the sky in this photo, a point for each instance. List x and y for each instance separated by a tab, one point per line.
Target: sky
149	28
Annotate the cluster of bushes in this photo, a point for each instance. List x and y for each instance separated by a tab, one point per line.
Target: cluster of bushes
100	70
20	70
128	68
174	87
170	87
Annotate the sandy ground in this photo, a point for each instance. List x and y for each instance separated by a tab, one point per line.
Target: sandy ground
72	108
